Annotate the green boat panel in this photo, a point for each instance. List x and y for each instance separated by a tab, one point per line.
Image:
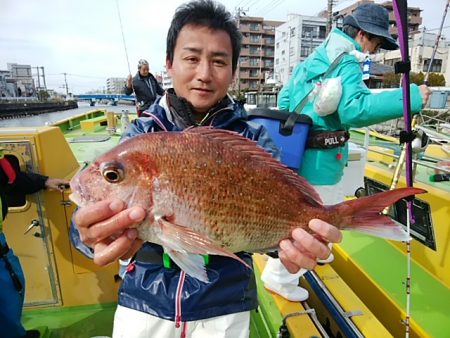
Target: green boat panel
430	298
72	322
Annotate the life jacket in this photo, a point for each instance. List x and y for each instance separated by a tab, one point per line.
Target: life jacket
7	168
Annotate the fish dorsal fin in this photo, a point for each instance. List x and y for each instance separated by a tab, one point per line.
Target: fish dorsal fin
245	145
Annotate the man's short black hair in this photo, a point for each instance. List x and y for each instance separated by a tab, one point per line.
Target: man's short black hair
206	13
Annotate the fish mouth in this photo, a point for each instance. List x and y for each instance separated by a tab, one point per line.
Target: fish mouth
76	198
78	195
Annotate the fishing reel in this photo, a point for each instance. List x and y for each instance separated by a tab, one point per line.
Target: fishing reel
420	142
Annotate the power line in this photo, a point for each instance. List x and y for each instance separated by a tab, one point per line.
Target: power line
275	4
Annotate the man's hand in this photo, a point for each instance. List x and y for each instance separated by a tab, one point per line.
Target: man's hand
129	79
107	228
305	248
56	184
425	92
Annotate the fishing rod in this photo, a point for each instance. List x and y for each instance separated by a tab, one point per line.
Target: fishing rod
436	44
402	157
126	52
406	137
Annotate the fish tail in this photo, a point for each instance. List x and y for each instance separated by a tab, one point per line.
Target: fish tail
364	214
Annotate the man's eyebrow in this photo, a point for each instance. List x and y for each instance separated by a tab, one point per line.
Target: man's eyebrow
198	51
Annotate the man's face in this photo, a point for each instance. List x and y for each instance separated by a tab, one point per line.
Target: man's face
201	70
143	70
369	45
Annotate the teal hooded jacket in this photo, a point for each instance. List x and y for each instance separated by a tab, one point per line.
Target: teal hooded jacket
358	107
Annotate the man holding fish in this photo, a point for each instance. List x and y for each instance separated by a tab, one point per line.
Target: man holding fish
186	190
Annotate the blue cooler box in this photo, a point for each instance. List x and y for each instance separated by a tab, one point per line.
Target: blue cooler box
289	131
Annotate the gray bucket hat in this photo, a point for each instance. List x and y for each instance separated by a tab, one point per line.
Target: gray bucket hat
373	19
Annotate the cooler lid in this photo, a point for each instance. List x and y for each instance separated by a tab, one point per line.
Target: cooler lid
281	115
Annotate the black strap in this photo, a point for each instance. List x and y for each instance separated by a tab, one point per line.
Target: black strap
407	136
402	67
288	126
15	279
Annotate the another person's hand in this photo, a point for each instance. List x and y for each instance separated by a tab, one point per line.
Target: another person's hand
304	249
56	184
129	79
107	228
425	92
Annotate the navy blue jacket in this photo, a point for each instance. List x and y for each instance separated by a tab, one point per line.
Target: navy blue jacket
150	287
147	90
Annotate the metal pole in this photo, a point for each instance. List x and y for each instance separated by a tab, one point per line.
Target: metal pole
67	88
43	76
39	81
436	44
329	15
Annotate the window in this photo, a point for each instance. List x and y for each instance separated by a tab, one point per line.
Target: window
254	26
254	62
254	50
291	51
322	32
277	61
268	63
255	38
254	72
254	84
304	51
435	67
308	31
278	45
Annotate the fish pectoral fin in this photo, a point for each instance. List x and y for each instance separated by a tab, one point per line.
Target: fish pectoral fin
183	239
192	264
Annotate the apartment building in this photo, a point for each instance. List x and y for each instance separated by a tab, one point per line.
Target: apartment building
421	46
415	20
115	85
295	40
257	53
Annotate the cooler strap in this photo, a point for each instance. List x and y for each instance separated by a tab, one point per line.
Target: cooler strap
288	125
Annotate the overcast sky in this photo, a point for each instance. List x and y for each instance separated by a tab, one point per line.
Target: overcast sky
83	37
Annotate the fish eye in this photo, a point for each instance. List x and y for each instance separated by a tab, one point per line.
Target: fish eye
112	172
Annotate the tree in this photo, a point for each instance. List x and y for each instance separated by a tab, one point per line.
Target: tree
43	95
391	80
417	78
436	80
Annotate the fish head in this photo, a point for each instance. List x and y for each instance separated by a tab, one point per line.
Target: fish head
123	173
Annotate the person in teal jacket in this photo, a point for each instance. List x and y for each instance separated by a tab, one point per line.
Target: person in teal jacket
363	32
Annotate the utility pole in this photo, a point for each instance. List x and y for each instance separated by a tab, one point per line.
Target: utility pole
67	88
43	77
329	16
39	80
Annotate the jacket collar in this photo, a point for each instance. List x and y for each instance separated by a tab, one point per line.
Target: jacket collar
178	111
